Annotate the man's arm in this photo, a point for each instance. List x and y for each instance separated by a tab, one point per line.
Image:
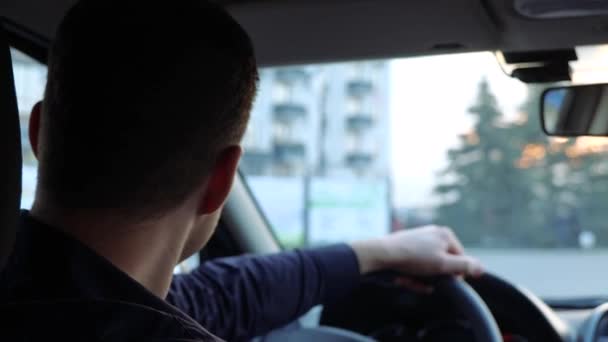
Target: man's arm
242	297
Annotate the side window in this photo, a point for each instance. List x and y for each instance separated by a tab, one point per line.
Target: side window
30	80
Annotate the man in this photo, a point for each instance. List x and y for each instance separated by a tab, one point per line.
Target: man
138	142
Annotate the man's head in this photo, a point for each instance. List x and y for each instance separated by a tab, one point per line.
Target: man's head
146	103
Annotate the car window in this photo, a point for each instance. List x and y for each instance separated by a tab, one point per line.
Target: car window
344	151
30	80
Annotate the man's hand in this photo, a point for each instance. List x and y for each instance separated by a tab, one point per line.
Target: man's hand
425	251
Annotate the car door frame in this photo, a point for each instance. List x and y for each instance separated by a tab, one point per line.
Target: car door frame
10	150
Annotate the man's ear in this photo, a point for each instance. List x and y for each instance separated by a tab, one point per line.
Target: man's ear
34	127
220	180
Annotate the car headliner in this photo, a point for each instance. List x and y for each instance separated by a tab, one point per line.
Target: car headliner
304	31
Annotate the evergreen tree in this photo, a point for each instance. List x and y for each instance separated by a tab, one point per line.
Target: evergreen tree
481	194
507	184
589	189
537	160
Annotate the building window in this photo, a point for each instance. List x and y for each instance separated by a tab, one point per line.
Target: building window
281	92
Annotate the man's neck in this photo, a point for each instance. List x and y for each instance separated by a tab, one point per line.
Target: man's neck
147	251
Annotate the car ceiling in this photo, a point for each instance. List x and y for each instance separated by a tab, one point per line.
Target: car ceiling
304	31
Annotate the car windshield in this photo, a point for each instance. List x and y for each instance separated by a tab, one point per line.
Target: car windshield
345	151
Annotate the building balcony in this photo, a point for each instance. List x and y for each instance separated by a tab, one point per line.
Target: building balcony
359	122
359	87
289	151
288	112
359	159
292	75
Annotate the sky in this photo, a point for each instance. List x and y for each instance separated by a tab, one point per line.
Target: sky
429	98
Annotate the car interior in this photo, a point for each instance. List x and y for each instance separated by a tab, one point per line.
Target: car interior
532	41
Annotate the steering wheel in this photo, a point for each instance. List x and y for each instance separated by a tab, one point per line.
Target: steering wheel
472	306
456	290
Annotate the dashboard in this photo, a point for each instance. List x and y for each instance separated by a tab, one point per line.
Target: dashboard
590	325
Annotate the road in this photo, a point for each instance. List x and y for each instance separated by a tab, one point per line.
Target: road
550	273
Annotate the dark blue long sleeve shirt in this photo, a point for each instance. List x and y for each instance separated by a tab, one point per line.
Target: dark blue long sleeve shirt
241	297
65	290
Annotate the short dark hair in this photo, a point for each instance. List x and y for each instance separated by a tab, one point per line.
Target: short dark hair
141	97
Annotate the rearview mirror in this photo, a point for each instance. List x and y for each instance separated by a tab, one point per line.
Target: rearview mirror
575	111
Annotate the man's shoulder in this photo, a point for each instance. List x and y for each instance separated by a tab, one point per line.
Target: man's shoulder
55	288
93	320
